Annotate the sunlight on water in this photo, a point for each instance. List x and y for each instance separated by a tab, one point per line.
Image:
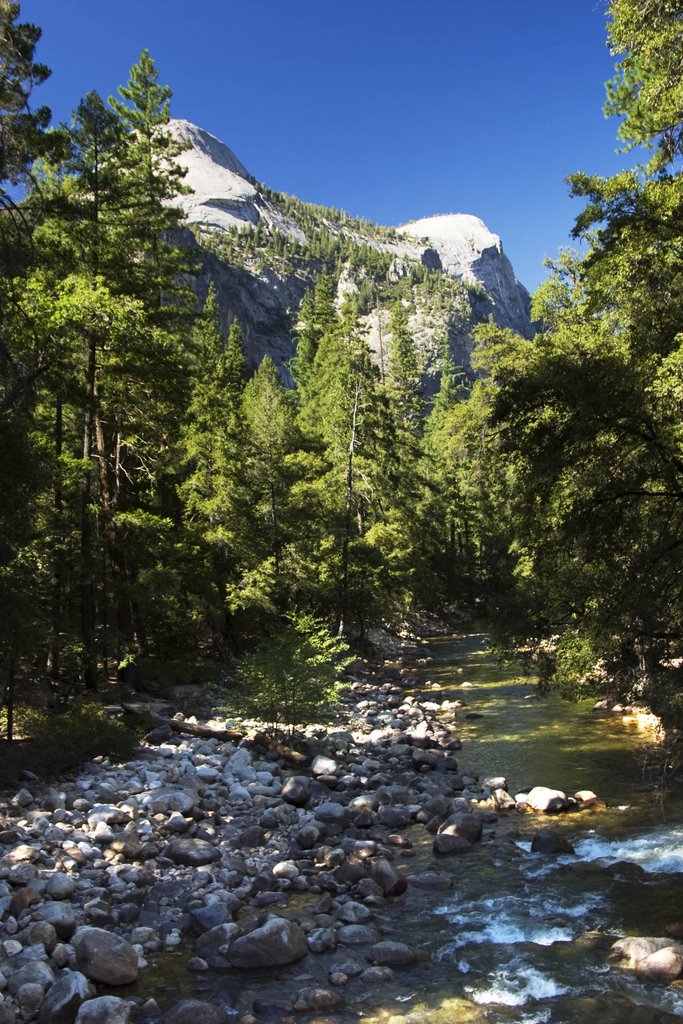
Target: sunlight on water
657	852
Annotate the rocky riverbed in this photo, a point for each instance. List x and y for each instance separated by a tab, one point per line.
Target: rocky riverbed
124	886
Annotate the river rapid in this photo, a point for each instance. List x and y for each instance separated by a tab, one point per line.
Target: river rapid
523	937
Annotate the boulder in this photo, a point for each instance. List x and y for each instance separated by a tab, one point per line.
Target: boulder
446	843
549	801
634	948
61	917
195	1011
431	881
550	841
65	998
397	954
466	826
296	791
317	999
324	765
388	878
104	1010
663	966
191	852
357	935
105	957
275	943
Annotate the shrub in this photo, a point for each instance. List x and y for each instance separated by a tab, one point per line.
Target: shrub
294	674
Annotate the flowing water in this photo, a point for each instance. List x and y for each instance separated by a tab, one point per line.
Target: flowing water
522	937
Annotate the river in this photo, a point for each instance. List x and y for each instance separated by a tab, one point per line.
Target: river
522	937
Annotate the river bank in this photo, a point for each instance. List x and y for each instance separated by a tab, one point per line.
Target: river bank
206	881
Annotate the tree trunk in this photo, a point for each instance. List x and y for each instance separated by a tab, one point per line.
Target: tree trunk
87	571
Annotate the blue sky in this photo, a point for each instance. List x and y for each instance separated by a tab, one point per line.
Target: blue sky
390	109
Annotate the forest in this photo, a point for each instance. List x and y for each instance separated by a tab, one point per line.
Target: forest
164	514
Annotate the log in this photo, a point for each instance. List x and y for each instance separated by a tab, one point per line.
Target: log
206	732
192	728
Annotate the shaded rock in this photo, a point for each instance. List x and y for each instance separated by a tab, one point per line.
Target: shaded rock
550	841
104	1010
397	954
431	881
105	957
191	852
195	1011
217	940
322	940
61	917
29	998
332	813
445	843
35	972
60	886
377	975
275	943
357	935
317	998
393	817
354	913
296	791
388	878
307	836
467	826
65	997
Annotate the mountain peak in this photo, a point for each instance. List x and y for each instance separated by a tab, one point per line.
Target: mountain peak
222	188
461	230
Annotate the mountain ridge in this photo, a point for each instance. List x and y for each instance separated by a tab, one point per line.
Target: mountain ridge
263	249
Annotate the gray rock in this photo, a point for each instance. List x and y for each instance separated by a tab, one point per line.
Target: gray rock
35	972
431	881
104	1010
357	935
386	876
164	801
317	999
105	957
324	765
191	852
354	913
195	1011
217	940
60	886
467	826
61	917
65	997
445	843
275	943
29	998
393	954
550	841
322	940
332	813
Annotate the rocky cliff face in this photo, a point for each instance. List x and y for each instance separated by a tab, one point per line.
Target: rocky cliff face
262	251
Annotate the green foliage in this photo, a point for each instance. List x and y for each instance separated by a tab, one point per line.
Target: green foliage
50	743
293	676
